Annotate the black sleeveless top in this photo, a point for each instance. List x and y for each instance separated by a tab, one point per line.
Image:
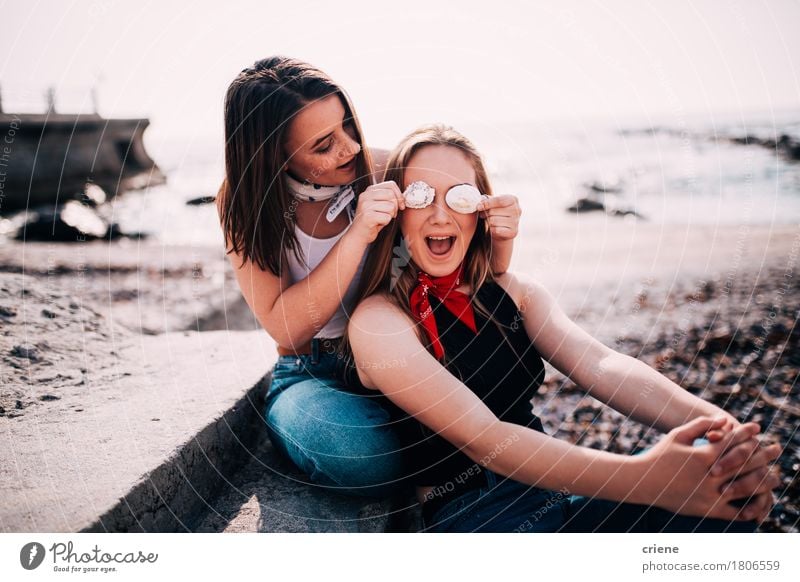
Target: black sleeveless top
505	374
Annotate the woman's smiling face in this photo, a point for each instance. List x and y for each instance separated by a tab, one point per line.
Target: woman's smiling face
321	144
441	167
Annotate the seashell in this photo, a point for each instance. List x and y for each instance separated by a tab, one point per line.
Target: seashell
418	195
464	198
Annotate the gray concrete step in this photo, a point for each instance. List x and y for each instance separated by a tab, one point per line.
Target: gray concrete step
269	494
141	450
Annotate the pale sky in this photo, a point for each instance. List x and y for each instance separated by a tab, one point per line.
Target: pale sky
408	62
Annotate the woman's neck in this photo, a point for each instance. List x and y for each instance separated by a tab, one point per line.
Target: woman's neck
310	218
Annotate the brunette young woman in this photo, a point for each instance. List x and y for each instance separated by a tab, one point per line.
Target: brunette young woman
468	346
299	209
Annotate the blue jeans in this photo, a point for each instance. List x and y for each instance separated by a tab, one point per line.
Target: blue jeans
505	505
342	440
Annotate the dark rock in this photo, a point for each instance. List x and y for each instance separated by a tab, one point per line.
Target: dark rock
49	314
786	145
789	147
586	205
49	397
201	200
26	351
609	186
69	222
7	311
625	212
716	343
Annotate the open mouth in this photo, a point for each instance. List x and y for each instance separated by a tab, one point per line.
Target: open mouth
440	246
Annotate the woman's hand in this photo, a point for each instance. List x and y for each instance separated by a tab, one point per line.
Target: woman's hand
743	464
730	424
502	213
377	206
678	478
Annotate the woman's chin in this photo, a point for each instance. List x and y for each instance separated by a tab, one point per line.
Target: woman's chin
440	265
346	176
335	178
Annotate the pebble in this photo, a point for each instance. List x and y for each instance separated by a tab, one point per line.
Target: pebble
26	351
7	311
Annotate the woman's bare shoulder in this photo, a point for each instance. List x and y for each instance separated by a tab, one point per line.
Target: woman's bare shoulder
521	287
380	331
375	309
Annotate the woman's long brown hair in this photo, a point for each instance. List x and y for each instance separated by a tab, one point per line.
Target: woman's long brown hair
389	268
256	210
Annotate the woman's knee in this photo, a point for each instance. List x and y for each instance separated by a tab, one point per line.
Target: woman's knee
340	438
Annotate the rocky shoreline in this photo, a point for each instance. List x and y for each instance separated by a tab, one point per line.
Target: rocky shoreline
737	346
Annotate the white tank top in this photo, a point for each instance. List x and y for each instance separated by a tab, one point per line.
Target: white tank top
314	250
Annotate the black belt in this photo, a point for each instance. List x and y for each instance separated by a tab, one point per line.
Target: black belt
314	348
441	495
323	345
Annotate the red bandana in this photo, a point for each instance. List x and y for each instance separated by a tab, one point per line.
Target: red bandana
443	288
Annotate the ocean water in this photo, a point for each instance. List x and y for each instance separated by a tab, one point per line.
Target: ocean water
671	171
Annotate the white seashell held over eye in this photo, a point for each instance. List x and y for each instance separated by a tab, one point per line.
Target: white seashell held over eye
464	198
418	195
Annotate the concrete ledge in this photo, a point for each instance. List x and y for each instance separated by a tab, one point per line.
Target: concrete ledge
269	494
178	492
140	450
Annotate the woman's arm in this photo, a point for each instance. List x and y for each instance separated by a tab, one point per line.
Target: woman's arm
624	383
502	213
292	315
390	357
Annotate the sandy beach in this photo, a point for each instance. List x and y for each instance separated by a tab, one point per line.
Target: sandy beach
714	309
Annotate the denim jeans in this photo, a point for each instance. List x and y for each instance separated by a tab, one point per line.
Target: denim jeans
342	440
505	505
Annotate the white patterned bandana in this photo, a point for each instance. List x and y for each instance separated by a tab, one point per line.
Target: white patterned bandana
341	197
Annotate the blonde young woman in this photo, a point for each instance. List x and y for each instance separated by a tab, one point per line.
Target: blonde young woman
468	348
299	210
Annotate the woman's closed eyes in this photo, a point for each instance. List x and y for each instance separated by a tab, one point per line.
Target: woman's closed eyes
462	198
348	127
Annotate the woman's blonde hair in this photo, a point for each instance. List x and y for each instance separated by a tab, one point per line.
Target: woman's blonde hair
389	268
